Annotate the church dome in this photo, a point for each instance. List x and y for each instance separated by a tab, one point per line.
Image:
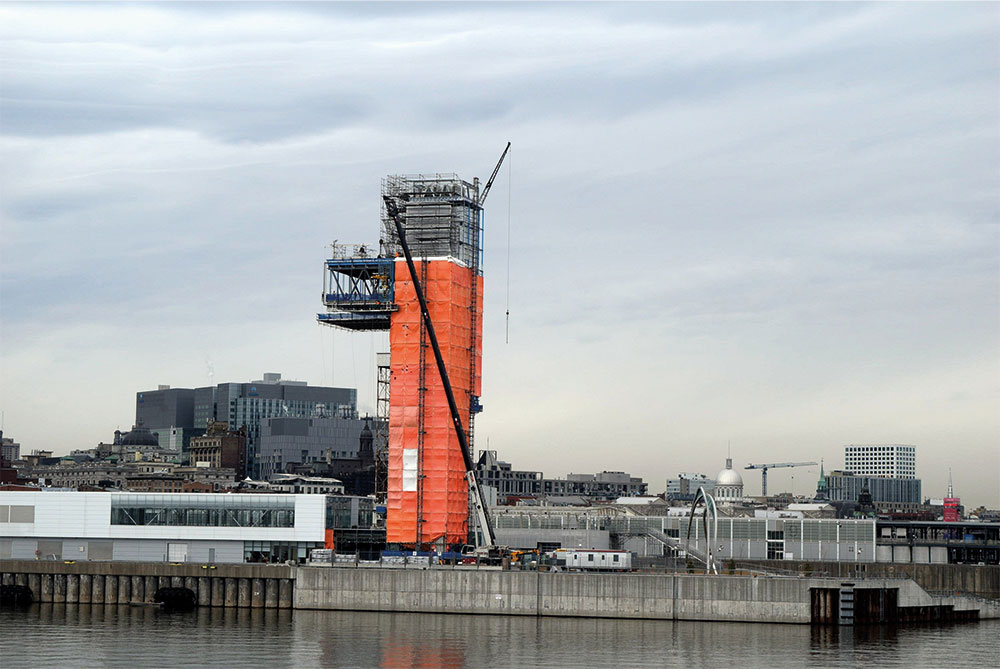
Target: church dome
139	436
729	476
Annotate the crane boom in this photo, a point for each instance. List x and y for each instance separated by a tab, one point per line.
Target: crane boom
780	464
470	469
764	467
489	182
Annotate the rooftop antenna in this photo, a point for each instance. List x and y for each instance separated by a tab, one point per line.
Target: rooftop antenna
951	491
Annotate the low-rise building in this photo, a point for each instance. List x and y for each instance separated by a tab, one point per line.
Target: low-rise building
887	494
306	485
220	448
154	483
175	527
10	450
686	484
604	486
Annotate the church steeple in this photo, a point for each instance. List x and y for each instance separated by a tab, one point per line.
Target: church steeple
822	489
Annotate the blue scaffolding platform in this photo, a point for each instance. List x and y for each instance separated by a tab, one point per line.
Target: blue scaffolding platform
358	293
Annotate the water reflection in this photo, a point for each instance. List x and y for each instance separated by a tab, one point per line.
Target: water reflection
128	636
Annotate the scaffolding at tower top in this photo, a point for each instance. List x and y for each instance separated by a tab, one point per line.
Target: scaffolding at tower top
440	214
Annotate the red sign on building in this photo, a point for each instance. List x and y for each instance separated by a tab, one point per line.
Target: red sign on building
951	509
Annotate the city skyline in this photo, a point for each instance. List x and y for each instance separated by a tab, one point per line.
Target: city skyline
764	225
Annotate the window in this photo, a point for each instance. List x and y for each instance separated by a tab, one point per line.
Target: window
590	557
203	511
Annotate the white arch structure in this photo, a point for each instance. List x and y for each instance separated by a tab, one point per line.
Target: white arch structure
701	495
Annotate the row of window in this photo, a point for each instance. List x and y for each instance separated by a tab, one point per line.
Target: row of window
202	517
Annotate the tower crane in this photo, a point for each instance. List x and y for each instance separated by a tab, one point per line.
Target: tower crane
763	471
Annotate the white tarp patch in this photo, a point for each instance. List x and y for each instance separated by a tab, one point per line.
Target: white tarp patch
409	470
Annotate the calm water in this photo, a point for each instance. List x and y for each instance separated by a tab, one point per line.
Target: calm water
57	635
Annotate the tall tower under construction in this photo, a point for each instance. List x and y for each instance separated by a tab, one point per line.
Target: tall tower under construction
441	214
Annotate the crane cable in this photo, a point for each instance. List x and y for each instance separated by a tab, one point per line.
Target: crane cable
510	159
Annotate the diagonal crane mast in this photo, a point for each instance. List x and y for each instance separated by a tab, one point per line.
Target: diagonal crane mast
763	471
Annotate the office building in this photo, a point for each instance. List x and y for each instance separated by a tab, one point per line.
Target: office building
10	450
169	414
307	441
239	405
885	460
493	472
686	485
887	494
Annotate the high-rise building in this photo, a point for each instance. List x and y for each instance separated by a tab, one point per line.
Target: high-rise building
168	413
243	405
882	460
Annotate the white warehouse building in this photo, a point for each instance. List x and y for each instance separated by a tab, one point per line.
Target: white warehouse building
173	527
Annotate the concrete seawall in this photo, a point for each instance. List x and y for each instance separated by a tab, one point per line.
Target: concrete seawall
235	585
975	580
488	591
641	596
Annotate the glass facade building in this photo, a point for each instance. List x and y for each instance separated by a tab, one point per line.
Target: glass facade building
194	510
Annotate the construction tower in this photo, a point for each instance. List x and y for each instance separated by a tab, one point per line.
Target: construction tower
426	487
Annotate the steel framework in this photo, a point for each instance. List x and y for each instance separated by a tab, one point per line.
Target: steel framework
381	436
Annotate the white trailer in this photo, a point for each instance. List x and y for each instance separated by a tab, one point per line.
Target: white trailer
591	560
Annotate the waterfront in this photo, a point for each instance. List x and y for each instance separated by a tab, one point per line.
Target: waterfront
129	636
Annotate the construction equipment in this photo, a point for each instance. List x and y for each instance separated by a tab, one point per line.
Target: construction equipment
488	549
489	182
763	471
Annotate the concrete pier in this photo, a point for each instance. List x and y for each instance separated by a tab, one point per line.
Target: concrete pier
480	591
72	588
257	593
138	590
124	589
243	598
271	587
234	586
35	583
85	585
59	589
46	594
218	586
111	589
204	591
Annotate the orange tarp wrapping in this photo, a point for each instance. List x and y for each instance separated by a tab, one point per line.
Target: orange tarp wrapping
430	477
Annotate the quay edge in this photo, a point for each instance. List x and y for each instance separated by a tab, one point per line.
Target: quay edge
486	591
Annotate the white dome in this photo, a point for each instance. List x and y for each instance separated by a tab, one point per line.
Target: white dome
729	477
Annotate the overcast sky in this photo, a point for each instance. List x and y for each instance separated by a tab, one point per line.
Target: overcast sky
770	225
